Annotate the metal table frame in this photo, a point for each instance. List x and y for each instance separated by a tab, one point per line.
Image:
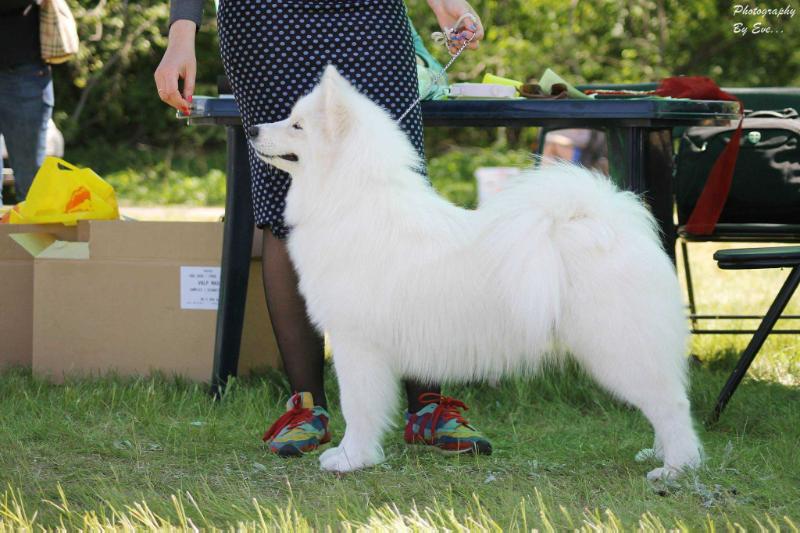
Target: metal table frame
640	158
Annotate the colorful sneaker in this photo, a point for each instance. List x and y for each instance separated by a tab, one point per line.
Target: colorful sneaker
301	429
440	424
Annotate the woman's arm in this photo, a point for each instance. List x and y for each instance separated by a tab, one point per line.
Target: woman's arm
179	59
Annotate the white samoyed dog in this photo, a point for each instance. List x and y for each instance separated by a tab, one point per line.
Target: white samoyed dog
408	285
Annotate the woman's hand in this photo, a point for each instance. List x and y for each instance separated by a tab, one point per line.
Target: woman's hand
178	62
448	12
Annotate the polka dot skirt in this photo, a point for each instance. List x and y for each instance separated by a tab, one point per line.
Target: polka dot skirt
274	52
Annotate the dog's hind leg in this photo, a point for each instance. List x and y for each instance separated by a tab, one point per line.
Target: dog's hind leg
368	390
641	367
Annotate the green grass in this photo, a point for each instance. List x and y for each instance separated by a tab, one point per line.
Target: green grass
158	452
563	447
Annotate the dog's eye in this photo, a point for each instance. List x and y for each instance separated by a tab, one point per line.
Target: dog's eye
297	126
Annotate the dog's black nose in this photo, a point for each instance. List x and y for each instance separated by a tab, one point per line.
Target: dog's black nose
252	132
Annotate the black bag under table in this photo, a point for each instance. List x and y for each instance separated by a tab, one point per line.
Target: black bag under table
640	159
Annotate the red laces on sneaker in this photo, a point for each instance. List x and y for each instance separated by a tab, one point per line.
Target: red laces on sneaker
447	409
292	418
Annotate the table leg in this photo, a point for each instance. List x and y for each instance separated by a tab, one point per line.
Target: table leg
626	157
640	160
658	150
236	250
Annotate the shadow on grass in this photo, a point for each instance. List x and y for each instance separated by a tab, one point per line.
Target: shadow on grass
721	360
756	404
566	383
759	408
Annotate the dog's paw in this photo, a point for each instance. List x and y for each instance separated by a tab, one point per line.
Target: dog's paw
340	459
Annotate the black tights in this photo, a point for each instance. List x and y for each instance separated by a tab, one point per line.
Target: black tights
301	346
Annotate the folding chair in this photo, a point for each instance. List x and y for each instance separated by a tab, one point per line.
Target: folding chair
746	233
753	258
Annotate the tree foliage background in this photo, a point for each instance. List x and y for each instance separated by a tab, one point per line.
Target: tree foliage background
107	96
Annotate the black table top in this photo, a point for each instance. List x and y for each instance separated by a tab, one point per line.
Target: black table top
605	112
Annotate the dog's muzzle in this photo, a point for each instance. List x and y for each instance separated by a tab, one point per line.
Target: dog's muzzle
252	134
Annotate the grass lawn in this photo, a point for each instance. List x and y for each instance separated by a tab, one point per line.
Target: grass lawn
158	452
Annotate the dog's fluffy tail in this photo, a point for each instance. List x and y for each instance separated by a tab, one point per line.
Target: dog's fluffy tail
587	210
557	222
612	257
598	247
610	254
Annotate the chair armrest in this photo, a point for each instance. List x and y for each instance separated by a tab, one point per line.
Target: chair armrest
751	258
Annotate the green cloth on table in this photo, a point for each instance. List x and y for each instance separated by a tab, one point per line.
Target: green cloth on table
427	70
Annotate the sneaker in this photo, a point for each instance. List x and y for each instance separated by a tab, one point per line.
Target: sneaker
440	425
301	429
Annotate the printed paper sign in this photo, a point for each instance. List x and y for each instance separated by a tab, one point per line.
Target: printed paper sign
200	287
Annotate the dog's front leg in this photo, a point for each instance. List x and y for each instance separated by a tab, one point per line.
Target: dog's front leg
368	390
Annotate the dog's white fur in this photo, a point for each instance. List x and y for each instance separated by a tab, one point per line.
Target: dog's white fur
408	285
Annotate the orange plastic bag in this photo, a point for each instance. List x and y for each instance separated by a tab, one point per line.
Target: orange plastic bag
64	193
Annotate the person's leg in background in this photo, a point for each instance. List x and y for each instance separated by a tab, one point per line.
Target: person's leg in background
304	426
557	147
26	105
301	346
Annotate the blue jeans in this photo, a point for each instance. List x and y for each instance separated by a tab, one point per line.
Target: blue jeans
26	105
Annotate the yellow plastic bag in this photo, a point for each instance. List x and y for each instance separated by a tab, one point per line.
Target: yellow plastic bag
64	193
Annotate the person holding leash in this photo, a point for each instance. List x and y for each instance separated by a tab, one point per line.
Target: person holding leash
273	52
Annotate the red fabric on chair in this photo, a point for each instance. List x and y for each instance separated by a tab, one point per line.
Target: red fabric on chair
709	205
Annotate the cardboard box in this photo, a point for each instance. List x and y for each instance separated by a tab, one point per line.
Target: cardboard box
134	297
16	292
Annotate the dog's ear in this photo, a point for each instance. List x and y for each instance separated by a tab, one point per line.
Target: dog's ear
335	111
330	74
